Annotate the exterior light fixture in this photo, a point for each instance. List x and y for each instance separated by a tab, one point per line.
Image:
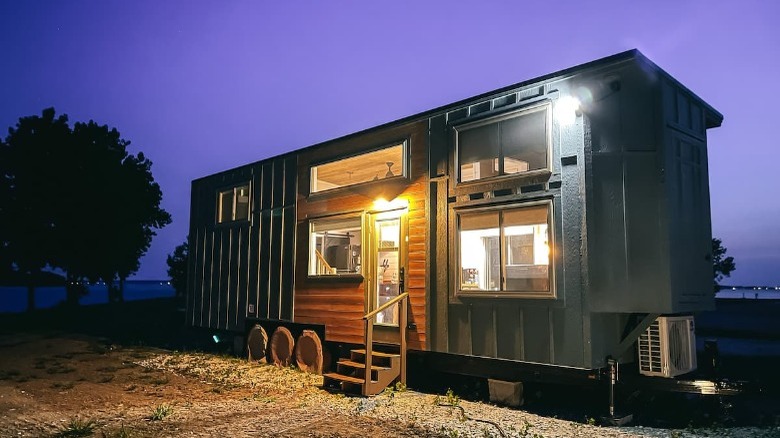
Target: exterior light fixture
381	204
567	109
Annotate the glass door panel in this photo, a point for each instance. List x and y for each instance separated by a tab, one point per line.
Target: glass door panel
387	244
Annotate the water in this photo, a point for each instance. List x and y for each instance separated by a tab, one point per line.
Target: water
14	299
751	294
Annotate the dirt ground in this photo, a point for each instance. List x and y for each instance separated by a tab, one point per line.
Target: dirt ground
50	381
134	370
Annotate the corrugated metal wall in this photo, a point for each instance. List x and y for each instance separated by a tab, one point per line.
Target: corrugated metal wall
236	268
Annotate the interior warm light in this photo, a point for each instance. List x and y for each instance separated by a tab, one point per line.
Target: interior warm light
566	110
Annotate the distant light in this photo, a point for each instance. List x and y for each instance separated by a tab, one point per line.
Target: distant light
216	339
566	110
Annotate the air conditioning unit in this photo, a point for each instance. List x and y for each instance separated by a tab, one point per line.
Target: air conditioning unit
668	347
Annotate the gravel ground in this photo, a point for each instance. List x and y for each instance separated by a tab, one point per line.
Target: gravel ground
419	414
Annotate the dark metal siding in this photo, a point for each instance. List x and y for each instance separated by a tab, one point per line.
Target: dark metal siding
237	264
547	330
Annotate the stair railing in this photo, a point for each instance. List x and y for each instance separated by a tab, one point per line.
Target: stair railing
322	265
368	321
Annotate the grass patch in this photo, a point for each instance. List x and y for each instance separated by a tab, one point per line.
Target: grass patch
121	433
449	399
160	412
77	428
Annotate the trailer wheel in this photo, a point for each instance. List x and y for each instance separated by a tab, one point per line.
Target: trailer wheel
257	343
282	344
309	353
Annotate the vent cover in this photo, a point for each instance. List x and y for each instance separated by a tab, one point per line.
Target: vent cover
668	347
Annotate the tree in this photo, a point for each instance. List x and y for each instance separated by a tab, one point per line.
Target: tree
32	193
721	266
125	203
177	268
76	200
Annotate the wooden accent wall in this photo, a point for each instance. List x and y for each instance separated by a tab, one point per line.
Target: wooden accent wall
340	303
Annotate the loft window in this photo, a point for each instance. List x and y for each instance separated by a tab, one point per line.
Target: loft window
381	164
510	144
233	204
506	251
334	246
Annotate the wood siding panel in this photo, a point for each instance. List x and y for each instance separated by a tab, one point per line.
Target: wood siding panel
336	303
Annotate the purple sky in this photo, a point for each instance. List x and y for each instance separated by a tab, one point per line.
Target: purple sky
200	87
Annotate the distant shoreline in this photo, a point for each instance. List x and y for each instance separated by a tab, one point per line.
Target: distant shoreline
13	299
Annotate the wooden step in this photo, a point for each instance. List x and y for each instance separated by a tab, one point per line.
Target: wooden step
353	364
376	353
343	378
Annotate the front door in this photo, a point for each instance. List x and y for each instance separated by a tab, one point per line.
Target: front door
387	248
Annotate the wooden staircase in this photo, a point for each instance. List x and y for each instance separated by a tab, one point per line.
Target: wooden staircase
350	375
369	372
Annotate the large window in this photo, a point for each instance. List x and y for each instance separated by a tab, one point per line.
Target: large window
506	250
380	164
334	246
510	144
233	204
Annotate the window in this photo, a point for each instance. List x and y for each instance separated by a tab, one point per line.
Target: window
334	246
380	164
506	250
233	204
510	144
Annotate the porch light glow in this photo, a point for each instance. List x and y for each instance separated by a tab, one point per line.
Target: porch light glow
566	110
381	204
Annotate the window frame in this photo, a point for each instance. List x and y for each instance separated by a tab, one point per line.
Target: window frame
233	188
404	174
545	106
339	217
551	294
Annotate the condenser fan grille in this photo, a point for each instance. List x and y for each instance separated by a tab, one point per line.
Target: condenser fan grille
668	347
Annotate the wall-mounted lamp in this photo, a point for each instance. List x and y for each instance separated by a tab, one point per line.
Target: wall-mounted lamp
382	204
567	109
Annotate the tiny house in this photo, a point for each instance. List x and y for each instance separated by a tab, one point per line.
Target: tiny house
552	223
